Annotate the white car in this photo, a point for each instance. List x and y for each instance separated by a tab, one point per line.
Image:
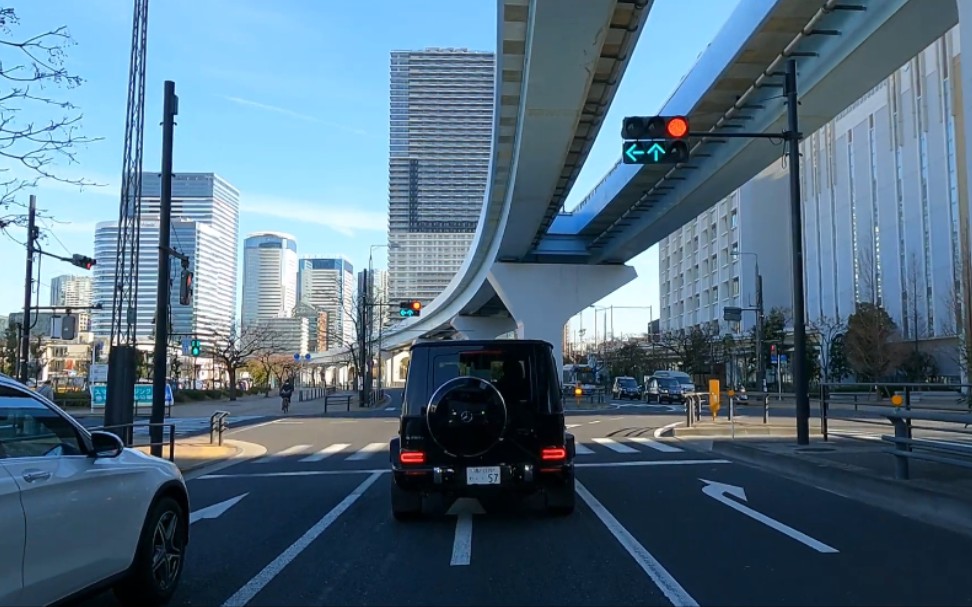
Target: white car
80	513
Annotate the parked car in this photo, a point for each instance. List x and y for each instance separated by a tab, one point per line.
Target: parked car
80	513
626	387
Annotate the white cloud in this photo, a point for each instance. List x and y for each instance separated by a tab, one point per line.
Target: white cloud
292	114
342	219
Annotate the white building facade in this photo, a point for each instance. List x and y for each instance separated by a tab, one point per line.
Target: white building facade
328	284
269	276
205	227
885	218
441	126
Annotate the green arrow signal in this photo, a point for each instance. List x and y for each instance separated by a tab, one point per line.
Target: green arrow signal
656	150
634	151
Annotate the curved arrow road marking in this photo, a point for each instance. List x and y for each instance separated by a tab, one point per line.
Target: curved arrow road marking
721	492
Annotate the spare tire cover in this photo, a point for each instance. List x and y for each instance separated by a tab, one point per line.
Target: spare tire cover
466	416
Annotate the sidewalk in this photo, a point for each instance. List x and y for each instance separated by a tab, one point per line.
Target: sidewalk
193	453
938	494
252	405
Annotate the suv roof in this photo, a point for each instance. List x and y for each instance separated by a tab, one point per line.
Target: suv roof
451	343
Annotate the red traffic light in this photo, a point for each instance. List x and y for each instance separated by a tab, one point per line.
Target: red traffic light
416	305
772	349
677	127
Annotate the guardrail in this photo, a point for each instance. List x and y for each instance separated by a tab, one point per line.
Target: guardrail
313	393
127	435
218	425
591	396
902	405
330	398
693	402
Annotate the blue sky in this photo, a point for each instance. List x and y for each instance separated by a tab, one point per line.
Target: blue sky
288	100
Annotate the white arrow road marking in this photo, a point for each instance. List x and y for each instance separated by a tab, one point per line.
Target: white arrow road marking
245	594
464	509
648	563
216	510
721	492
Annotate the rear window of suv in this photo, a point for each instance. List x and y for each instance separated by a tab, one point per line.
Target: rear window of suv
509	369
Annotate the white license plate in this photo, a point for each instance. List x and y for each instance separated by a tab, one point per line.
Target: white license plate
489	475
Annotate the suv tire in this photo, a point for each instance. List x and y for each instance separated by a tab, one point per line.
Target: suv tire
166	527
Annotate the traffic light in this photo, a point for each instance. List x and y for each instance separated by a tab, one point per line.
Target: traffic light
773	349
410	308
185	288
655	140
69	327
82	261
195	348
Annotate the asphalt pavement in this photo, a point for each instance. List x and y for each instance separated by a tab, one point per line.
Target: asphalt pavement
309	523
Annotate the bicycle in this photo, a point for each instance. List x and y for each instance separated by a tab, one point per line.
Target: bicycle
285	404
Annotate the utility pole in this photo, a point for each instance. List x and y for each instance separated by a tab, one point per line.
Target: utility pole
800	380
170	107
28	290
760	369
363	314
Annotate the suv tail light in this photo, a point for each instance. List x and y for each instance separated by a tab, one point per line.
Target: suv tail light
411	457
553	454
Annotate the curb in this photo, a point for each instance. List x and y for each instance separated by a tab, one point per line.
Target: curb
210	462
244	452
852	482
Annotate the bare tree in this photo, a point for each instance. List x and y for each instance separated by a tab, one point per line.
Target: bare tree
914	321
959	326
828	330
692	347
36	130
338	338
237	347
867	279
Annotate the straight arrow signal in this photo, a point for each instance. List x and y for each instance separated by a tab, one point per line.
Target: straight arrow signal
657	151
721	492
216	510
634	151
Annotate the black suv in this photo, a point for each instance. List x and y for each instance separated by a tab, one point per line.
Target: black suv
482	418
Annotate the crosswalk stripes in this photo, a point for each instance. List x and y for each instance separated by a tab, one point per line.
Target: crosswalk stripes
368	451
614	445
624	445
326	452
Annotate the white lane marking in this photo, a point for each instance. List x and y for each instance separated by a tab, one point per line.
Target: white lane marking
215	510
654	444
721	492
462	545
614	445
569	426
659	431
636	464
288	451
249	590
325	452
648	563
233	430
611	419
367	451
596	421
581	449
391	408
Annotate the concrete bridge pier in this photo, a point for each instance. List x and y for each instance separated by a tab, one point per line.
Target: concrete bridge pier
543	297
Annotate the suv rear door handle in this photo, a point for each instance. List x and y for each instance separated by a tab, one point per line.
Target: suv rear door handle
36	475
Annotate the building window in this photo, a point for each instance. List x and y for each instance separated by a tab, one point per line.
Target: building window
853	210
951	159
894	102
735	287
875	219
732	219
921	109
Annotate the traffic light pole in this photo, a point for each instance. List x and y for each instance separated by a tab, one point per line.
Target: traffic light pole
160	356
28	289
791	137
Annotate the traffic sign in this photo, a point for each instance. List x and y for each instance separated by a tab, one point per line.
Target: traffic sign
731	314
296	355
654	152
307	356
185	346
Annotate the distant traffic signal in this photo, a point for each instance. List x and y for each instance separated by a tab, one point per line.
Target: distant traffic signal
655	140
407	309
82	261
195	348
185	288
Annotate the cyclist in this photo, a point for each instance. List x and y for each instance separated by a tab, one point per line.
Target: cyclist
286	391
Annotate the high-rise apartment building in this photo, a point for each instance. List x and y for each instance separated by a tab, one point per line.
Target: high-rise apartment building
69	291
885	217
441	131
328	284
269	277
205	226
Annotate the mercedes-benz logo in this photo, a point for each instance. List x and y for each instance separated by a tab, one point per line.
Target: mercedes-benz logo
466	417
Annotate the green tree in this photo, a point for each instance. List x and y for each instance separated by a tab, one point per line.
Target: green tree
870	342
918	366
692	347
838	366
629	360
8	351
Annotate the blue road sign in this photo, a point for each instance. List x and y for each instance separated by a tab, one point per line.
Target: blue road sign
185	346
296	355
307	356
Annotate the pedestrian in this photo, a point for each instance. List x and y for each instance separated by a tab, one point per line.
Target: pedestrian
46	390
